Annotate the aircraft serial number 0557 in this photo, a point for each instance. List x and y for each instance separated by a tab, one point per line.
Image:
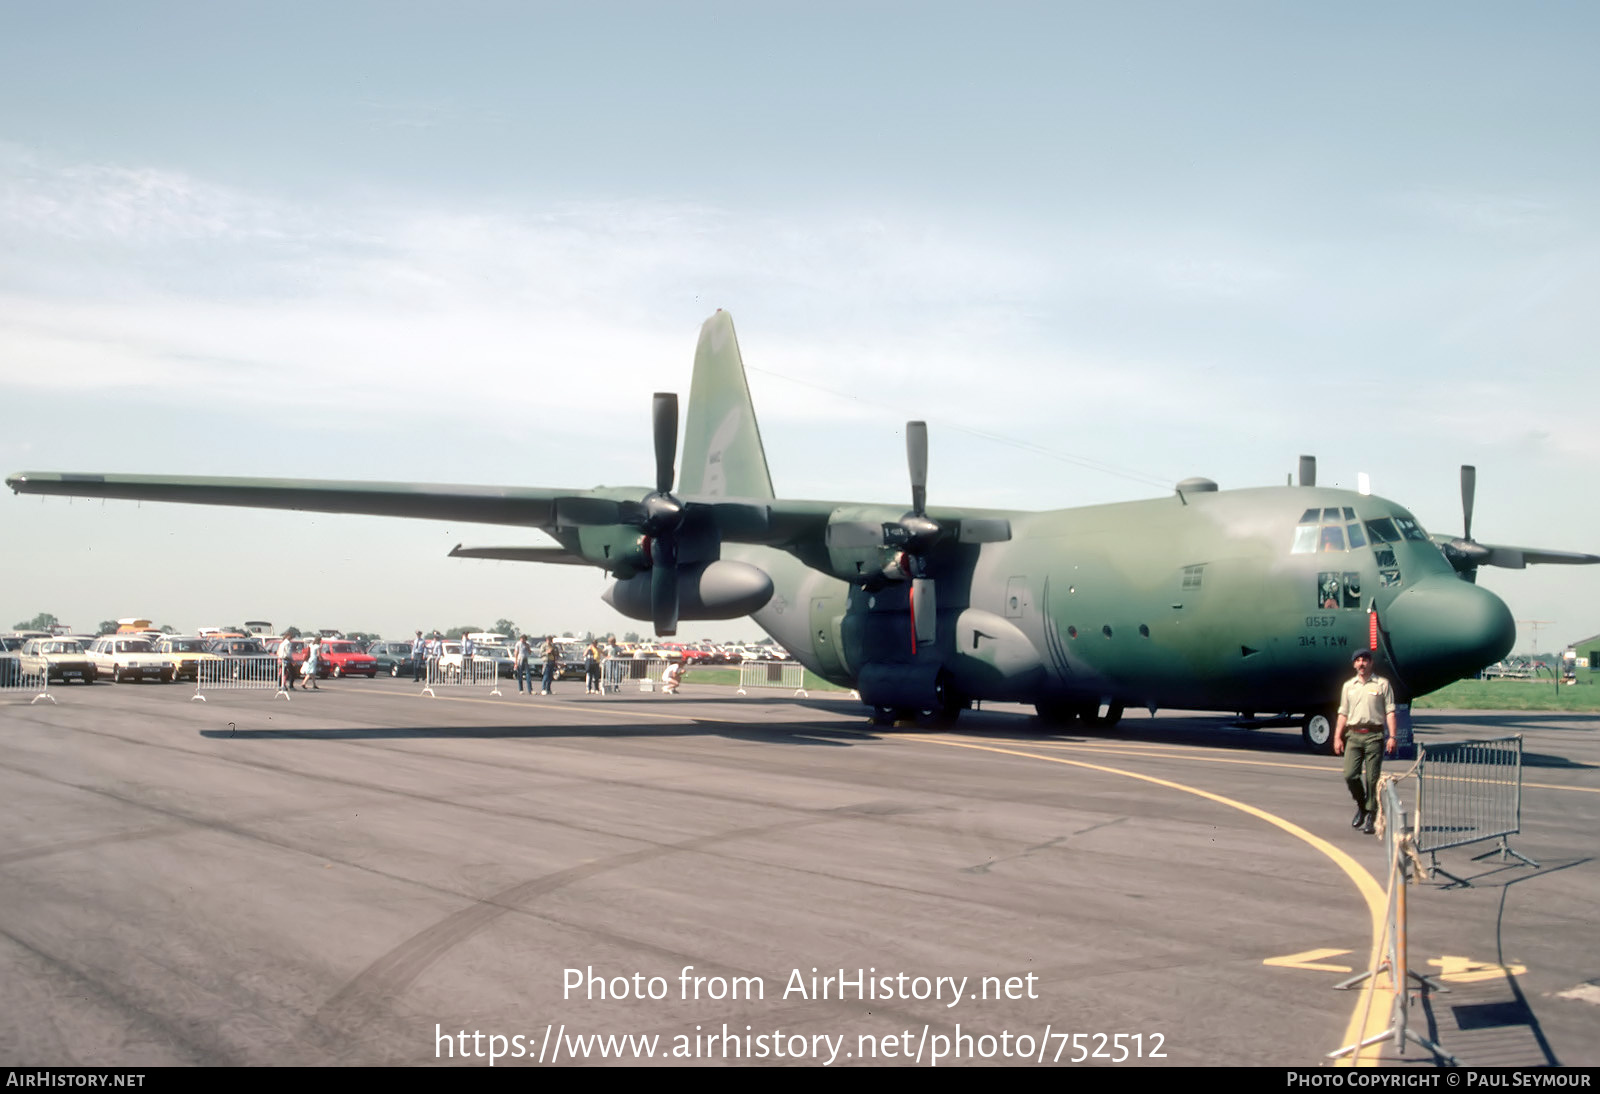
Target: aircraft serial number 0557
1321	620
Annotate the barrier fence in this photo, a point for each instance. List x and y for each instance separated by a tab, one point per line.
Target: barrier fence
1468	791
1390	976
476	673
785	675
12	678
254	672
644	672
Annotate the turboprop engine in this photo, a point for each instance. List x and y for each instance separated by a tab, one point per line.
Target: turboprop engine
709	590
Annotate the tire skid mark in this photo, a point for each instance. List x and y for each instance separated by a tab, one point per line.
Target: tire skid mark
362	998
88	842
698	794
177	1035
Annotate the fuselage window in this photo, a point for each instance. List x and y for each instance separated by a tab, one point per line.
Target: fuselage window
1305	540
1332	538
1330	515
1356	538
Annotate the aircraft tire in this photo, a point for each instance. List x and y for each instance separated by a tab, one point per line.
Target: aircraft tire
883	716
1316	729
1056	714
947	709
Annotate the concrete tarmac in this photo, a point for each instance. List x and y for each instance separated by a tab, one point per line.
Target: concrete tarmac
364	875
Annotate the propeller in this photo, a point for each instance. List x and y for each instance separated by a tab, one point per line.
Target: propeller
1467	554
663	515
913	538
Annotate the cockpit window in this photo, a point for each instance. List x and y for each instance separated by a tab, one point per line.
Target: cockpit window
1410	529
1383	530
1323	530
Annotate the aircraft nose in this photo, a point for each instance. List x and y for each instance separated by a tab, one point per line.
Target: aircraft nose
1442	629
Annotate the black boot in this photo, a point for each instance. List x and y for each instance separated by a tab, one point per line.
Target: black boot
1360	818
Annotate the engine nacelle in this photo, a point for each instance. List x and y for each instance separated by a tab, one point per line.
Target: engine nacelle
708	590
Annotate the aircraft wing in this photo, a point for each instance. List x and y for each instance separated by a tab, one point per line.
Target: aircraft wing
523	506
1466	553
771	521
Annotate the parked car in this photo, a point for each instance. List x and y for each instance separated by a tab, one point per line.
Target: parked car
343	657
61	659
504	660
237	646
11	660
186	652
393	658
123	657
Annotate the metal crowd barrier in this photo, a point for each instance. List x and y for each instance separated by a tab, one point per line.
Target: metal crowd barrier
1468	791
1391	973
787	675
478	673
255	672
39	683
618	672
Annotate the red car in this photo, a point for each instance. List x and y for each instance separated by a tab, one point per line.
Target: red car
340	657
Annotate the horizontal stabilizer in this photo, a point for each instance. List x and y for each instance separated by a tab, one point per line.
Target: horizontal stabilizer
521	554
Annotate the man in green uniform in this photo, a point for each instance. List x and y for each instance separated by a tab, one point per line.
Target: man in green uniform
1366	712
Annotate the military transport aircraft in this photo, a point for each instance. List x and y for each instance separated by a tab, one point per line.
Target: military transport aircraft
1238	600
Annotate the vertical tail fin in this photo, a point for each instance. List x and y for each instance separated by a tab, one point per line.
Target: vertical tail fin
722	452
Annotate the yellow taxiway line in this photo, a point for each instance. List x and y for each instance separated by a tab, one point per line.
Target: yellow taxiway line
1365	1020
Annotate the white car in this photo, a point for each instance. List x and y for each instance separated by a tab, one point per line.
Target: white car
122	657
60	658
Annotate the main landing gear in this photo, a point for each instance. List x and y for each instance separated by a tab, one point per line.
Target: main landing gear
947	707
1089	715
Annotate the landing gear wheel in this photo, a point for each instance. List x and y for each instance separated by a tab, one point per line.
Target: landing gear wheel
883	716
1056	713
1316	729
947	706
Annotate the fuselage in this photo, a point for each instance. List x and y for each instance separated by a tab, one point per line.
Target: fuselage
1209	600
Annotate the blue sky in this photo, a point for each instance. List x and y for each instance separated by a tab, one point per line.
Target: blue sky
1099	247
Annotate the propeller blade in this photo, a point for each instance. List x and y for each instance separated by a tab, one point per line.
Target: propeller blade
664	586
917	460
1469	489
664	423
